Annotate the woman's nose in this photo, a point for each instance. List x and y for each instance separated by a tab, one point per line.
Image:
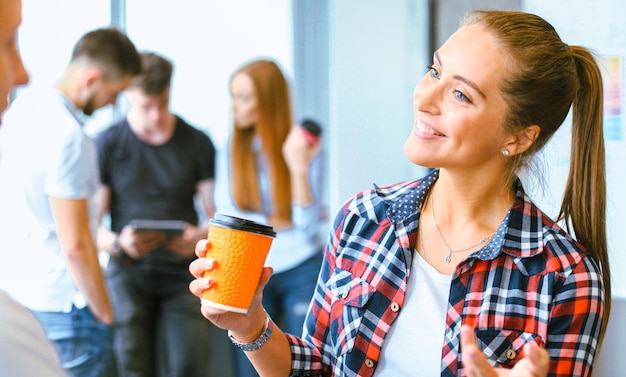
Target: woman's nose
426	96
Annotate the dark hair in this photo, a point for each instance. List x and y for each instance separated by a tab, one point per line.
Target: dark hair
156	74
545	78
111	51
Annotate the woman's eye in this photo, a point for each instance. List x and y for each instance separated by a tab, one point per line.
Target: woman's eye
433	72
460	96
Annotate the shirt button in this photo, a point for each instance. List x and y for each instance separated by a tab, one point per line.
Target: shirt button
369	363
510	354
395	307
345	294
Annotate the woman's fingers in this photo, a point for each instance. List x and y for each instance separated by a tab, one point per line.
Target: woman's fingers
475	363
539	359
201	248
197	286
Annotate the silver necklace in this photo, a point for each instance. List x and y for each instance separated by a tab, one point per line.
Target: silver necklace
448	257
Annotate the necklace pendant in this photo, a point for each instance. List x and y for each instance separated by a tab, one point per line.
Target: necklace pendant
447	258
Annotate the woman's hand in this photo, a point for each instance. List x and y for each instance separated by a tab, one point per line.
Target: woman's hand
244	327
534	364
298	152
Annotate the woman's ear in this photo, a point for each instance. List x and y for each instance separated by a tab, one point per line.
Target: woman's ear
523	139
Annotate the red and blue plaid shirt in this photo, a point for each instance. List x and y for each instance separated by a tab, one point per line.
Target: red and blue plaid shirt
533	284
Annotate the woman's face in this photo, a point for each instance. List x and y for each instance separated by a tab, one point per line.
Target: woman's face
245	104
459	110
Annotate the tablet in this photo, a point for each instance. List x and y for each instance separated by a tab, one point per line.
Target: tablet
169	227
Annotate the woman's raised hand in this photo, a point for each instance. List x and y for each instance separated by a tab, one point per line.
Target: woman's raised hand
535	364
243	327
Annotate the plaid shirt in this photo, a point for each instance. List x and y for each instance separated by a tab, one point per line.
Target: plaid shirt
534	284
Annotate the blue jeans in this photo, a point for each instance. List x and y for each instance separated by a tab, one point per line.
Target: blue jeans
84	343
158	328
286	298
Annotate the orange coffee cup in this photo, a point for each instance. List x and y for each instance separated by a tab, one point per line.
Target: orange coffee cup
239	248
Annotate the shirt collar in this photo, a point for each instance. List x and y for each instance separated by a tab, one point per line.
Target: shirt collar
520	234
71	108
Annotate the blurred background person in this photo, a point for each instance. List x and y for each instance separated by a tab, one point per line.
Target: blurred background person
152	166
49	215
24	348
269	172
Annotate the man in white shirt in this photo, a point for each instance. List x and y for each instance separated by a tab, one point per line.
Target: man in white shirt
49	212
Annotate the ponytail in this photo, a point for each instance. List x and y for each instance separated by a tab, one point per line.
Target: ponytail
584	201
545	81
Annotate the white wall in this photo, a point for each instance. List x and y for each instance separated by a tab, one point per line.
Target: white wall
377	55
49	30
48	33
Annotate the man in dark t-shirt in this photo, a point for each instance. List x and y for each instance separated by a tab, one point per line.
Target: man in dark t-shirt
154	166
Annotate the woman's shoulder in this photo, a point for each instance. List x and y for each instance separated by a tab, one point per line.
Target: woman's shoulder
373	204
560	250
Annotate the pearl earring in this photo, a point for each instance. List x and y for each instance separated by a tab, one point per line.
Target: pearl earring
505	152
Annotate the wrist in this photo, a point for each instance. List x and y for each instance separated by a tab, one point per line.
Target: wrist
116	248
259	340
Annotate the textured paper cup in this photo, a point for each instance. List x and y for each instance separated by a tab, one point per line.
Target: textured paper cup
239	248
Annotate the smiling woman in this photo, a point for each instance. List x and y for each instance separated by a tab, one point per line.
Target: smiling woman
459	109
501	279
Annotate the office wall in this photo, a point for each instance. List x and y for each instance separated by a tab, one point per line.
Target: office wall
377	54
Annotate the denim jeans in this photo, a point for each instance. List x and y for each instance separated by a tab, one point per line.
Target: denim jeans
84	343
158	328
286	299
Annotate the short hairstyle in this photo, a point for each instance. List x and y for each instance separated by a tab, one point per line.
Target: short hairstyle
156	74
109	49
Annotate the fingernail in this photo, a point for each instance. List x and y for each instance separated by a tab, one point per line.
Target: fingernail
209	263
208	282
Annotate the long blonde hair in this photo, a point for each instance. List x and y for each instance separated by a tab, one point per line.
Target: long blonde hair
274	123
546	77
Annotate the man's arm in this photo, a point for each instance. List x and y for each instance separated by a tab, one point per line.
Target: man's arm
184	246
72	220
206	189
106	238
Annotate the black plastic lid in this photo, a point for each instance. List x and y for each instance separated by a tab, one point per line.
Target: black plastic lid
238	223
311	126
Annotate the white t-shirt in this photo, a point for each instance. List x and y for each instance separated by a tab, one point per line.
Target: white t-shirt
43	153
413	345
24	349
